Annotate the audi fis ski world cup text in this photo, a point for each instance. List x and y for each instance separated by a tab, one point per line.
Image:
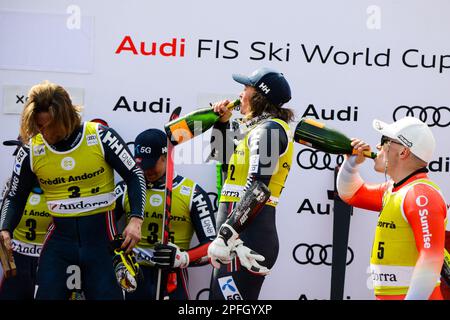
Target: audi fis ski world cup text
279	51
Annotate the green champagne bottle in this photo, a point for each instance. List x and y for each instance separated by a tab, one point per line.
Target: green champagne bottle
194	123
317	135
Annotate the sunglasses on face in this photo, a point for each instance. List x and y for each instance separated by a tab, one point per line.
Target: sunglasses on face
385	139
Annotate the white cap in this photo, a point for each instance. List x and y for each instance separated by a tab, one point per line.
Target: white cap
412	133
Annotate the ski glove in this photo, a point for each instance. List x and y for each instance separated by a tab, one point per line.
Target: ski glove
249	259
170	256
220	250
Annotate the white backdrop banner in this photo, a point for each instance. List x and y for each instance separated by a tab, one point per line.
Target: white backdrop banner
348	62
47	42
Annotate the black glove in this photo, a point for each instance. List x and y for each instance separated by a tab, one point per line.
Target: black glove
170	256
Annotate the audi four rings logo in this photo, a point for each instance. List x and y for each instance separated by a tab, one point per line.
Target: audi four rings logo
432	116
317	254
315	159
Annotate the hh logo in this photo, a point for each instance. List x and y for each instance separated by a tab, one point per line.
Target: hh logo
264	88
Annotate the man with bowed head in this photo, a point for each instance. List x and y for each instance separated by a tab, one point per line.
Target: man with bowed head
74	163
192	212
408	248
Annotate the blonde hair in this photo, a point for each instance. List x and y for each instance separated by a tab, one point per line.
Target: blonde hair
54	99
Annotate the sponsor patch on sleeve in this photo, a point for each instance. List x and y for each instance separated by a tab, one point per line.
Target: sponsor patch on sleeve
208	227
119	190
19	160
127	159
254	163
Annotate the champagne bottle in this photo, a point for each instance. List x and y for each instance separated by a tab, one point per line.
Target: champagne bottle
318	136
193	124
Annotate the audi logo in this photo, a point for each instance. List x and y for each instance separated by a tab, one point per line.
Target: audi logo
319	160
317	254
432	116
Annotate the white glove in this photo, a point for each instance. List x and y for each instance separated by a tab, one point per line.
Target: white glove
170	256
220	250
249	259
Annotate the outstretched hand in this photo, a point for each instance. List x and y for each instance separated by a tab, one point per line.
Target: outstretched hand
249	259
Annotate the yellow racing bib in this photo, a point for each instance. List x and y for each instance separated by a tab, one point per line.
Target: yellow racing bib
394	252
30	233
181	228
77	182
241	165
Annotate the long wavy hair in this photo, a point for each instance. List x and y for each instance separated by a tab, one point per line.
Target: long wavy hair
54	99
260	104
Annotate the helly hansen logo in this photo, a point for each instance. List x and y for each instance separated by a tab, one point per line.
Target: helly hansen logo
119	150
201	205
112	142
264	88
